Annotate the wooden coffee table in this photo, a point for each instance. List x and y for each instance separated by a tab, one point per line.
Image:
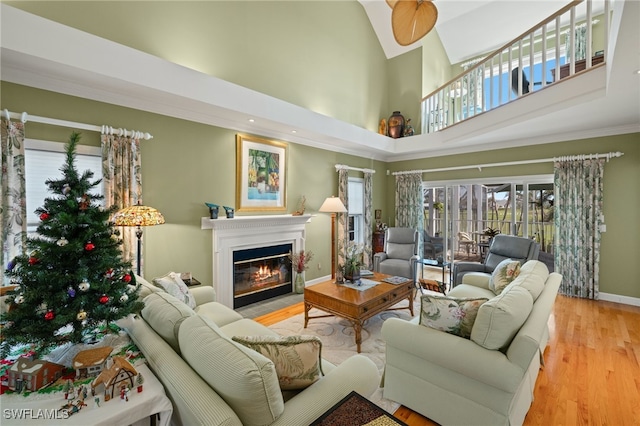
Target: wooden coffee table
354	305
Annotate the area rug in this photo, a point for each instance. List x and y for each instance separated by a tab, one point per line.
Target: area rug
338	339
356	410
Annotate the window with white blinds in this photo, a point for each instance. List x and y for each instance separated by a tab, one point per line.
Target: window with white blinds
43	161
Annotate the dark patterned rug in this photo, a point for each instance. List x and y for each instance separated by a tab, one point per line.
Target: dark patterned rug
356	410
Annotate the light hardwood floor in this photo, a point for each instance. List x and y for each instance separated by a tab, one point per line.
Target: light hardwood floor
591	374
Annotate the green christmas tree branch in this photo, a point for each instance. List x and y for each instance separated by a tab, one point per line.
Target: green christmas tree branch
71	277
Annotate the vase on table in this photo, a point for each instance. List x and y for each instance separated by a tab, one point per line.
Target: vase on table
299	283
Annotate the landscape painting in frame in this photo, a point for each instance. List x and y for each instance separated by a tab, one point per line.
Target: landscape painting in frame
261	174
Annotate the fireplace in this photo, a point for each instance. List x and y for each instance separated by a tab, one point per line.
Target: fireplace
261	273
246	233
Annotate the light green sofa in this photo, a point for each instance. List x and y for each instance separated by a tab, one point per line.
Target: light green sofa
168	333
456	381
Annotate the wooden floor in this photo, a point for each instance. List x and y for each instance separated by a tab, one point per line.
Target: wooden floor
592	366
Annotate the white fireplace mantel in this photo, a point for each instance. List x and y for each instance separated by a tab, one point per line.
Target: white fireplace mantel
247	232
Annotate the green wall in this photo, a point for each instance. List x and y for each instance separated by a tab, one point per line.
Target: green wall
436	68
186	164
620	246
405	80
320	55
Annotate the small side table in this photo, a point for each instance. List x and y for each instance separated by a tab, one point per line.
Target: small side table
434	263
192	282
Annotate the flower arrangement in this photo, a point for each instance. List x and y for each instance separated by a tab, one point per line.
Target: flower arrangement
300	261
353	257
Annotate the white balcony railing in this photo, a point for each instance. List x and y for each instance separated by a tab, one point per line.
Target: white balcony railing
558	47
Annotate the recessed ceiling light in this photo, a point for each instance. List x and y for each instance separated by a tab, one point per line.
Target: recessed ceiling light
251	120
294	131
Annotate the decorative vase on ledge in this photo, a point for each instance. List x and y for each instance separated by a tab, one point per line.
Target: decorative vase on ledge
299	283
396	125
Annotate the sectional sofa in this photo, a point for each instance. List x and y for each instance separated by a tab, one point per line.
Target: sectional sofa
212	380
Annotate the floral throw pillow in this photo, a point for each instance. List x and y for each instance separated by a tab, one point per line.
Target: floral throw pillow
173	284
506	271
452	315
297	358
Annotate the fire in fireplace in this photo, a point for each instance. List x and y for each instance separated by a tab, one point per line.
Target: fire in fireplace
261	273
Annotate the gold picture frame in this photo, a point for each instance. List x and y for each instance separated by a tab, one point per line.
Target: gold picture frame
261	174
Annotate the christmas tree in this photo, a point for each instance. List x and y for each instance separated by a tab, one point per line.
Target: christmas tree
71	278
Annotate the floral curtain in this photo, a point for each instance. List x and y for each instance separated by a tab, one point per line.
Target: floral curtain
578	216
368	225
13	207
409	203
343	194
122	179
580	43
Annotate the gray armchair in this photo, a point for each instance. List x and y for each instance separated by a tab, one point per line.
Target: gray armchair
502	247
432	246
400	253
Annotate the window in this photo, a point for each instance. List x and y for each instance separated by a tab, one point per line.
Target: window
356	210
43	161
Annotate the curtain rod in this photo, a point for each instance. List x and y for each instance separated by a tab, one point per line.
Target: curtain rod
108	130
344	167
580	157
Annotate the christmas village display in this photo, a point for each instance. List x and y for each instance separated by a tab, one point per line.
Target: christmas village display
69	282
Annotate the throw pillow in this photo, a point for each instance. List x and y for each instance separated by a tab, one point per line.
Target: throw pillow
164	313
297	358
245	379
173	284
452	315
500	318
506	271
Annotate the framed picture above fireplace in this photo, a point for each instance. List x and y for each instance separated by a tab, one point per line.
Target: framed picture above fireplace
261	174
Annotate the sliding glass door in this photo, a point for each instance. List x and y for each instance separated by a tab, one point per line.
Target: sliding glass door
467	214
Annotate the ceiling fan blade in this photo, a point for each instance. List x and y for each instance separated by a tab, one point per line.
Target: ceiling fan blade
392	3
412	19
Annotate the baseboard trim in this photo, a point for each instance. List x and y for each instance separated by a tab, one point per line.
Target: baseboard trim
625	300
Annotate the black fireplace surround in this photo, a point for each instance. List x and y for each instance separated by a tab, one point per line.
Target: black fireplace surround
261	273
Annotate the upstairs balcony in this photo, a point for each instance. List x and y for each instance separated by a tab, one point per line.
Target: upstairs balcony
571	41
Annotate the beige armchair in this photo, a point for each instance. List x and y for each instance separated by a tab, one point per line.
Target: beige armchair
400	253
466	242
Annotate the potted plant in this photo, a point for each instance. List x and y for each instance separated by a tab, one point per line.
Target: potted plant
353	261
491	232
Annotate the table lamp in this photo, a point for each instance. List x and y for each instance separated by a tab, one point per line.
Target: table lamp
333	205
138	216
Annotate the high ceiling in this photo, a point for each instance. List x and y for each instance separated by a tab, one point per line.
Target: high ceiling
604	101
468	28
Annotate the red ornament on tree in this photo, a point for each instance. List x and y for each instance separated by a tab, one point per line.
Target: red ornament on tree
33	260
126	278
44	216
49	315
89	246
103	299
